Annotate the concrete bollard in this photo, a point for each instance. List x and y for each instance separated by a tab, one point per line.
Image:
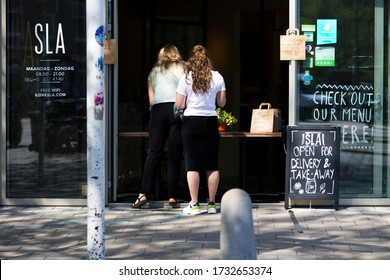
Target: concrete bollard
237	240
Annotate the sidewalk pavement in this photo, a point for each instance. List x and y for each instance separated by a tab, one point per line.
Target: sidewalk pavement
161	232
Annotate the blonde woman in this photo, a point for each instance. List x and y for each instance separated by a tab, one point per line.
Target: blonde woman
164	127
198	92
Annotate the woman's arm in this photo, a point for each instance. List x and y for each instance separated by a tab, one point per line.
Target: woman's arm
150	93
221	98
180	101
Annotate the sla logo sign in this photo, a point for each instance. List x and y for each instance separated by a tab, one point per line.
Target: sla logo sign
43	37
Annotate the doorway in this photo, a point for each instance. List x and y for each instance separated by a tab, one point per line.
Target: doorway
243	41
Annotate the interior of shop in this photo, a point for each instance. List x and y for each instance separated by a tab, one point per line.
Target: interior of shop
243	40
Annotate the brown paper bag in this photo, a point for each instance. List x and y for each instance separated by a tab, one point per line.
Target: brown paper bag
264	119
292	45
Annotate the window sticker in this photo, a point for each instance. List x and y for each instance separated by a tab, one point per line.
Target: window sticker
308	62
308	27
325	57
309	36
326	31
308	30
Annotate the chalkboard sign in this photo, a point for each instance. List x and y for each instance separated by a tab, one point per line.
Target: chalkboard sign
312	163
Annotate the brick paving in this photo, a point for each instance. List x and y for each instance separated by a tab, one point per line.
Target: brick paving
60	233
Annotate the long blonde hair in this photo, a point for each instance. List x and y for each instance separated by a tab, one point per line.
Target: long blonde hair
168	56
200	65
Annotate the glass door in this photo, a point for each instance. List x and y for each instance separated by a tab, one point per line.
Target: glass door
45	100
343	82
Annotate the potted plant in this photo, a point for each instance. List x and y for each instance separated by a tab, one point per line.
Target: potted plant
225	119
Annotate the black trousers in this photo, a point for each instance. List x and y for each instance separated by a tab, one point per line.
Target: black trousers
164	130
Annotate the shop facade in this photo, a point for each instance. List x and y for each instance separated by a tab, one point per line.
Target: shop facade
343	82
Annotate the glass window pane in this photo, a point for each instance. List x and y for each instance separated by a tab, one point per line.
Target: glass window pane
46	106
341	83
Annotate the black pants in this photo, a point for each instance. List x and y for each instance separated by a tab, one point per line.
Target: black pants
164	130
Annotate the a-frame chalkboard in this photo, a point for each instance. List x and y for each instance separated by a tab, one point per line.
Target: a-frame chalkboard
312	163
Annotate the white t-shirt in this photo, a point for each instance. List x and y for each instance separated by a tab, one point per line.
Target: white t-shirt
201	104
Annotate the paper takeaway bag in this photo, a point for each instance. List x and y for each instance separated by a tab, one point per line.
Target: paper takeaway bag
265	119
292	45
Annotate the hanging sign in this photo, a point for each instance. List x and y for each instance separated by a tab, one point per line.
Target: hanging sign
110	56
292	45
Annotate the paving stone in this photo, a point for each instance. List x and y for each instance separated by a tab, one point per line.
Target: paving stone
164	233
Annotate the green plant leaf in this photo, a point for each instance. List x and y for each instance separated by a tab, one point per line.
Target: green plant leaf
226	117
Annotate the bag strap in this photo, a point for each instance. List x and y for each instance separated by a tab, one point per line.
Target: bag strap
265	104
292	32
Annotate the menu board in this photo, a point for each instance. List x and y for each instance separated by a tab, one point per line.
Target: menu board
312	163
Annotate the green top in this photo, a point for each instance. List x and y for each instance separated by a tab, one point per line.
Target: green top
164	82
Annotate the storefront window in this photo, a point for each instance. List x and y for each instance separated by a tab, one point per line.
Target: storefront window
342	82
46	106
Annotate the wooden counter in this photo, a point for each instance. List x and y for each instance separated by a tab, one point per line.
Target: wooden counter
242	135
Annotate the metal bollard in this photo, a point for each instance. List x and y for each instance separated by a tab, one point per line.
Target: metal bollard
237	240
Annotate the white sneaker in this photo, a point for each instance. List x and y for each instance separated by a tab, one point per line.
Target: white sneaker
211	209
192	209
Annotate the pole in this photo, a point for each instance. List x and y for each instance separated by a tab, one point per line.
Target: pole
95	130
237	240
